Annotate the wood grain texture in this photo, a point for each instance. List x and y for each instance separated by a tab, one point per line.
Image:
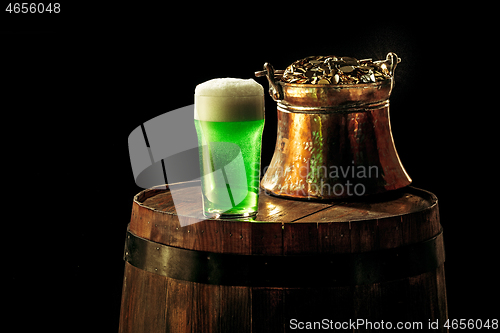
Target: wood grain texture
144	299
153	303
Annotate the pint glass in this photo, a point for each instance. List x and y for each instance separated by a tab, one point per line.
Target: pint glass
229	120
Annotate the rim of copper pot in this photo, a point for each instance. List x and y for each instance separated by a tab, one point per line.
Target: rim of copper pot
296	97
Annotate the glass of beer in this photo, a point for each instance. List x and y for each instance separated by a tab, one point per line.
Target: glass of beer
229	120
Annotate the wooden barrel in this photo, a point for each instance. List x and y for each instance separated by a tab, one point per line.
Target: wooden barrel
354	265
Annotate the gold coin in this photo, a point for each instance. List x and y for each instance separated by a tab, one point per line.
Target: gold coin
365	68
346	69
350	61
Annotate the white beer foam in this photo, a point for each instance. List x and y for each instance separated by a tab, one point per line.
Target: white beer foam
229	99
229	87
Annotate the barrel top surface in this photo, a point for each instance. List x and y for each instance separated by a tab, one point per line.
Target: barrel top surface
275	209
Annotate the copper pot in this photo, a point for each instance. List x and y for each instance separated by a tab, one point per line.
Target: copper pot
333	141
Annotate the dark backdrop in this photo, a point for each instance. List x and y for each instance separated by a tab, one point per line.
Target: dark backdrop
76	85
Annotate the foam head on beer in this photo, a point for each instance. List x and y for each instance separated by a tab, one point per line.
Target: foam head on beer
228	100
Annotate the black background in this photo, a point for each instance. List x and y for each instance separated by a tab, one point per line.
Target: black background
75	85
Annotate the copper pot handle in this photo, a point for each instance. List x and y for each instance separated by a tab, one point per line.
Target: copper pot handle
274	88
394	61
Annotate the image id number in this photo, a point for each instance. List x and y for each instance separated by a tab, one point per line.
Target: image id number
455	324
33	8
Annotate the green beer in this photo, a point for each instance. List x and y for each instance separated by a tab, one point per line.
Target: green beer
229	120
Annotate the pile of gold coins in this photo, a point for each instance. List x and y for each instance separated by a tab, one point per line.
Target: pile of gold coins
335	70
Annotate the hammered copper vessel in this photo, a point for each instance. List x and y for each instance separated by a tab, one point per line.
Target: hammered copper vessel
333	141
